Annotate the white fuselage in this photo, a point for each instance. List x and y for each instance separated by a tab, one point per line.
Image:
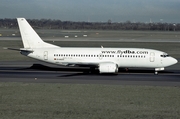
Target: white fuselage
123	57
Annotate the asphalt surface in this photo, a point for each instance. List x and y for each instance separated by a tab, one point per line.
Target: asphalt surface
38	72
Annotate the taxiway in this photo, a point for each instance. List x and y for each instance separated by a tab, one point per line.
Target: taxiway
38	72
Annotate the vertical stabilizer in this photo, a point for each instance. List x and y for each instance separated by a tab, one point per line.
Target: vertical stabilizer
29	37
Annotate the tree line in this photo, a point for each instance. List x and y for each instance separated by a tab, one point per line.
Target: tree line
70	25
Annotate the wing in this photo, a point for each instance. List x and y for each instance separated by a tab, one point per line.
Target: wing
80	64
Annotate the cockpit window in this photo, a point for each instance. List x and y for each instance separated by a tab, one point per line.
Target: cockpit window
164	55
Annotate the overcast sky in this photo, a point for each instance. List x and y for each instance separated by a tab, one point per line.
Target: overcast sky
93	10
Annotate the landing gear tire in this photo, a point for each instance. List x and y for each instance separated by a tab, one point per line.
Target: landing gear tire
92	70
126	69
155	73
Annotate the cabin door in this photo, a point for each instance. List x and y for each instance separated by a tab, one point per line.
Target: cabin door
152	57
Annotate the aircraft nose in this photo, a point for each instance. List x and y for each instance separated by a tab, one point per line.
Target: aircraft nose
173	61
169	61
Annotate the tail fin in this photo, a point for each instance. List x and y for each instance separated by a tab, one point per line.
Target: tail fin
29	37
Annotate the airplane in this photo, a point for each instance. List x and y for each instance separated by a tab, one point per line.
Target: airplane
107	60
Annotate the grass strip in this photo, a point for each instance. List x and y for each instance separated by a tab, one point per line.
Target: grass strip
67	101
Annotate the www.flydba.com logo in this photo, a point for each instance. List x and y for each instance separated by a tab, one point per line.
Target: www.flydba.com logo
125	52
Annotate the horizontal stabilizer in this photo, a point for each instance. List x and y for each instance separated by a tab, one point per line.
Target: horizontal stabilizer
19	49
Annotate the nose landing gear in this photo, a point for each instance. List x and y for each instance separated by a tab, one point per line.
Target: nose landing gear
158	69
155	73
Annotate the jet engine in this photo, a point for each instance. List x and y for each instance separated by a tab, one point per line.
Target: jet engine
108	67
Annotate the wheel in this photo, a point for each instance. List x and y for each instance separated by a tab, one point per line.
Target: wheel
156	73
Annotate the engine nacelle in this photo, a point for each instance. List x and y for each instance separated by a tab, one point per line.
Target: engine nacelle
108	68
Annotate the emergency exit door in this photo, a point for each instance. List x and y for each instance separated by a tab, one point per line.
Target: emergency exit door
45	55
